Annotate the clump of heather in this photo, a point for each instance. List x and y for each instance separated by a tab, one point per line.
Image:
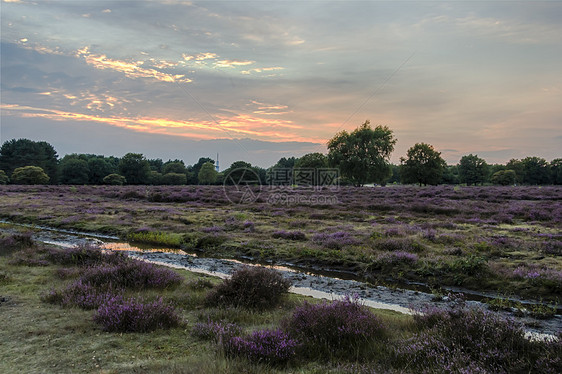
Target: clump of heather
80	294
462	339
336	240
289	235
135	315
85	255
273	347
398	244
15	242
250	287
394	258
132	274
217	331
341	327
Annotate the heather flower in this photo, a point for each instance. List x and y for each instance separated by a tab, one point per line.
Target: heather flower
273	347
336	240
217	331
132	315
342	325
289	235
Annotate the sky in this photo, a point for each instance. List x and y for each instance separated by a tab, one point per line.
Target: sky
261	80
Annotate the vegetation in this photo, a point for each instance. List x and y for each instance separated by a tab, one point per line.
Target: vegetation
363	155
172	330
29	175
423	165
473	170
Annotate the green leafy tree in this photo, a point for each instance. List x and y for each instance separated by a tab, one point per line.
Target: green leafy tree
135	168
503	177
241	171
4	179
535	171
450	175
473	170
29	175
423	165
156	164
207	174
176	166
24	152
100	167
363	155
556	171
285	163
175	179
74	170
312	160
395	177
114	179
155	178
519	169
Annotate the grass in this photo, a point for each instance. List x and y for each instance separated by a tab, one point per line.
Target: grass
44	337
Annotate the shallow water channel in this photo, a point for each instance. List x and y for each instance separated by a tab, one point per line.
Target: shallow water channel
324	285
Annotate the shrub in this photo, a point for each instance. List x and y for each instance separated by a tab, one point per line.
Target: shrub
462	339
273	347
85	255
132	274
114	179
80	294
132	315
340	327
250	287
336	240
29	175
289	235
15	242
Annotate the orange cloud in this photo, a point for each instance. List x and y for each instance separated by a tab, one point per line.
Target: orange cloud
130	69
232	63
237	126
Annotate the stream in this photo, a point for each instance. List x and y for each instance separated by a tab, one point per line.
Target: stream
315	284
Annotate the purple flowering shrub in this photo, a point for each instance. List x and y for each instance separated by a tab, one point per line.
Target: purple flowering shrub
15	242
289	235
462	339
85	255
250	287
132	274
81	295
336	240
339	327
135	315
274	347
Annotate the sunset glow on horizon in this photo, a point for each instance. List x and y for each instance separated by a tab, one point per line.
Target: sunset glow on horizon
480	78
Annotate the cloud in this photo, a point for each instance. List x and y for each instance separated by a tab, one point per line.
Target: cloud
232	63
131	69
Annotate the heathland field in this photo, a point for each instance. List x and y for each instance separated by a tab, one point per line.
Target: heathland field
503	239
84	310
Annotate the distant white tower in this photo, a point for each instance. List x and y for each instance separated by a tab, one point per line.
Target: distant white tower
217	164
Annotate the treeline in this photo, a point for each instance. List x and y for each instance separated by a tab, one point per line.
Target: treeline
24	161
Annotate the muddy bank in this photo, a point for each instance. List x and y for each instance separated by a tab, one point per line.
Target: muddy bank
304	283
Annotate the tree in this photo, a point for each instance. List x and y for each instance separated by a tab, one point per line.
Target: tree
114	179
73	170
556	171
450	175
156	164
207	174
176	166
135	168
100	167
362	155
24	152
29	175
285	163
518	168
312	160
174	179
4	179
241	171
503	177
473	170
535	170
423	165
